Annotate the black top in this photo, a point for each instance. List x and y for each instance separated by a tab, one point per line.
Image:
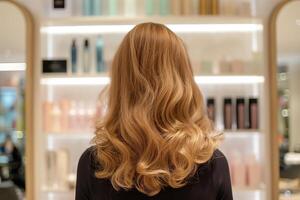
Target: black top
211	182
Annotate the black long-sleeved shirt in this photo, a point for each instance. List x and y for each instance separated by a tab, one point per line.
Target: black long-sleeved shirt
211	182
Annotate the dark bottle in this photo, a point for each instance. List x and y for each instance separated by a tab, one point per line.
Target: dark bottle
240	113
227	113
211	109
253	113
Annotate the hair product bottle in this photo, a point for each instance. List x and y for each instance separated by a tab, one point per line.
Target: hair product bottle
253	172
112	7
253	113
176	7
149	7
240	113
72	117
56	118
211	109
186	7
100	67
86	57
164	7
87	7
65	107
47	116
227	115
62	166
239	171
214	7
97	7
195	7
74	67
51	175
203	7
130	7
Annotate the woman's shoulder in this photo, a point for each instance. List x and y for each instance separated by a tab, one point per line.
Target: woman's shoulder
218	156
87	159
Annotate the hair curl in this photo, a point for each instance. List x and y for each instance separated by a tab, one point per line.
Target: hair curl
156	130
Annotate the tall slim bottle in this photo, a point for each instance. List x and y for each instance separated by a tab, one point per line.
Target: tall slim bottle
240	113
74	68
130	7
100	66
97	7
176	7
186	7
164	7
112	7
86	57
227	113
149	7
87	7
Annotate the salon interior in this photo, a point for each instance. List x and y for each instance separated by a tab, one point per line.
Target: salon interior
54	59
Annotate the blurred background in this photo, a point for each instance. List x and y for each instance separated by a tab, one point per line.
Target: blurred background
55	56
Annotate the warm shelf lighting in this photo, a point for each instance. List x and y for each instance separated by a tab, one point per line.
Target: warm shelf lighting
76	81
229	79
178	28
12	67
199	80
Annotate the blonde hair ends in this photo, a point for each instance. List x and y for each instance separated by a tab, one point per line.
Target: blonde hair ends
155	131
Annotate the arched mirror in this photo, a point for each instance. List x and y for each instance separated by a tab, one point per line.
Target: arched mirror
285	62
15	99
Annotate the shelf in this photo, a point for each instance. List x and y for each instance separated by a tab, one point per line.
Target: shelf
242	133
7	67
121	25
104	80
88	136
249	193
67	136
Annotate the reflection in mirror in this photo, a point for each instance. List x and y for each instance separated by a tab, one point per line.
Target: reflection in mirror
12	77
288	62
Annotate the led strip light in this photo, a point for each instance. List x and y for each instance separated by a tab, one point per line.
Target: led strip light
178	28
12	66
199	80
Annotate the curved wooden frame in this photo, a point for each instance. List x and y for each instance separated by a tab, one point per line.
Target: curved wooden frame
274	97
29	59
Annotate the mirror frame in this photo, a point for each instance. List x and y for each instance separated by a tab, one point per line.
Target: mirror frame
29	75
274	97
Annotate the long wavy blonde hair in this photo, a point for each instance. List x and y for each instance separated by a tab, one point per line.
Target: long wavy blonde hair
156	130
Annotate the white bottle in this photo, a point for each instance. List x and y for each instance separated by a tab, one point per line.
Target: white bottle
253	172
72	117
239	172
56	118
62	168
130	7
86	57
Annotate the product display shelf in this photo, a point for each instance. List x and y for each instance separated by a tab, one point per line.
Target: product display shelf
231	39
51	80
241	23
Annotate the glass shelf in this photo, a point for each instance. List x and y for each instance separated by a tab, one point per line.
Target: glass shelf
102	80
179	24
67	136
88	135
5	67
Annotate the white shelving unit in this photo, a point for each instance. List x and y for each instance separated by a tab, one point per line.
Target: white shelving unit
209	39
